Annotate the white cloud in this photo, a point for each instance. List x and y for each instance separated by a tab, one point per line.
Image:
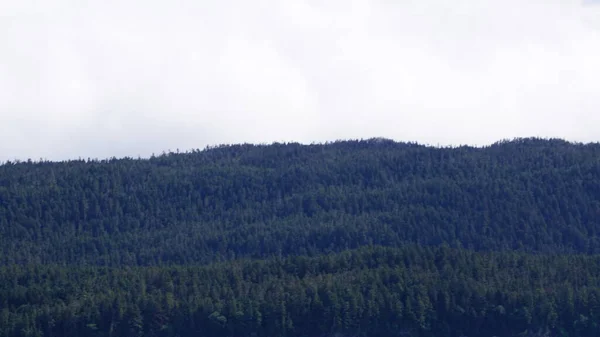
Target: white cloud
104	78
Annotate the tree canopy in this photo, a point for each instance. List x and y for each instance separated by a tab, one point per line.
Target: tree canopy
361	238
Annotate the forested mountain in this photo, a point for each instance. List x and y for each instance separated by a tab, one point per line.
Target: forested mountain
360	238
281	199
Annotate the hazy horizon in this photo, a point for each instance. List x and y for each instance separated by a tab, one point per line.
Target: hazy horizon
132	78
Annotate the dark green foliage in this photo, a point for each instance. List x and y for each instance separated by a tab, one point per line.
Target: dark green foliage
259	201
410	291
357	238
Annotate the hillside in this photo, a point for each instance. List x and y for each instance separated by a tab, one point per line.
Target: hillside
286	199
351	238
397	292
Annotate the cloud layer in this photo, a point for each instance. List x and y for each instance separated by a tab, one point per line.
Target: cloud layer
127	78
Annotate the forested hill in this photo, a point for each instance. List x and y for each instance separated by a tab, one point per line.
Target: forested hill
256	201
352	238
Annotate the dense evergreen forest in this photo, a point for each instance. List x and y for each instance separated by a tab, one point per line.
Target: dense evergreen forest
350	238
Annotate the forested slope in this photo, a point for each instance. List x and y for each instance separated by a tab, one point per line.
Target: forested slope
410	291
351	238
264	200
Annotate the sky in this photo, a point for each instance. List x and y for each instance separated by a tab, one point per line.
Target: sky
97	79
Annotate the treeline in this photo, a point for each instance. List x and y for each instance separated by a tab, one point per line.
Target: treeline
372	291
290	199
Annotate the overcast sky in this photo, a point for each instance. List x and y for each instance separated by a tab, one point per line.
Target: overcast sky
130	77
